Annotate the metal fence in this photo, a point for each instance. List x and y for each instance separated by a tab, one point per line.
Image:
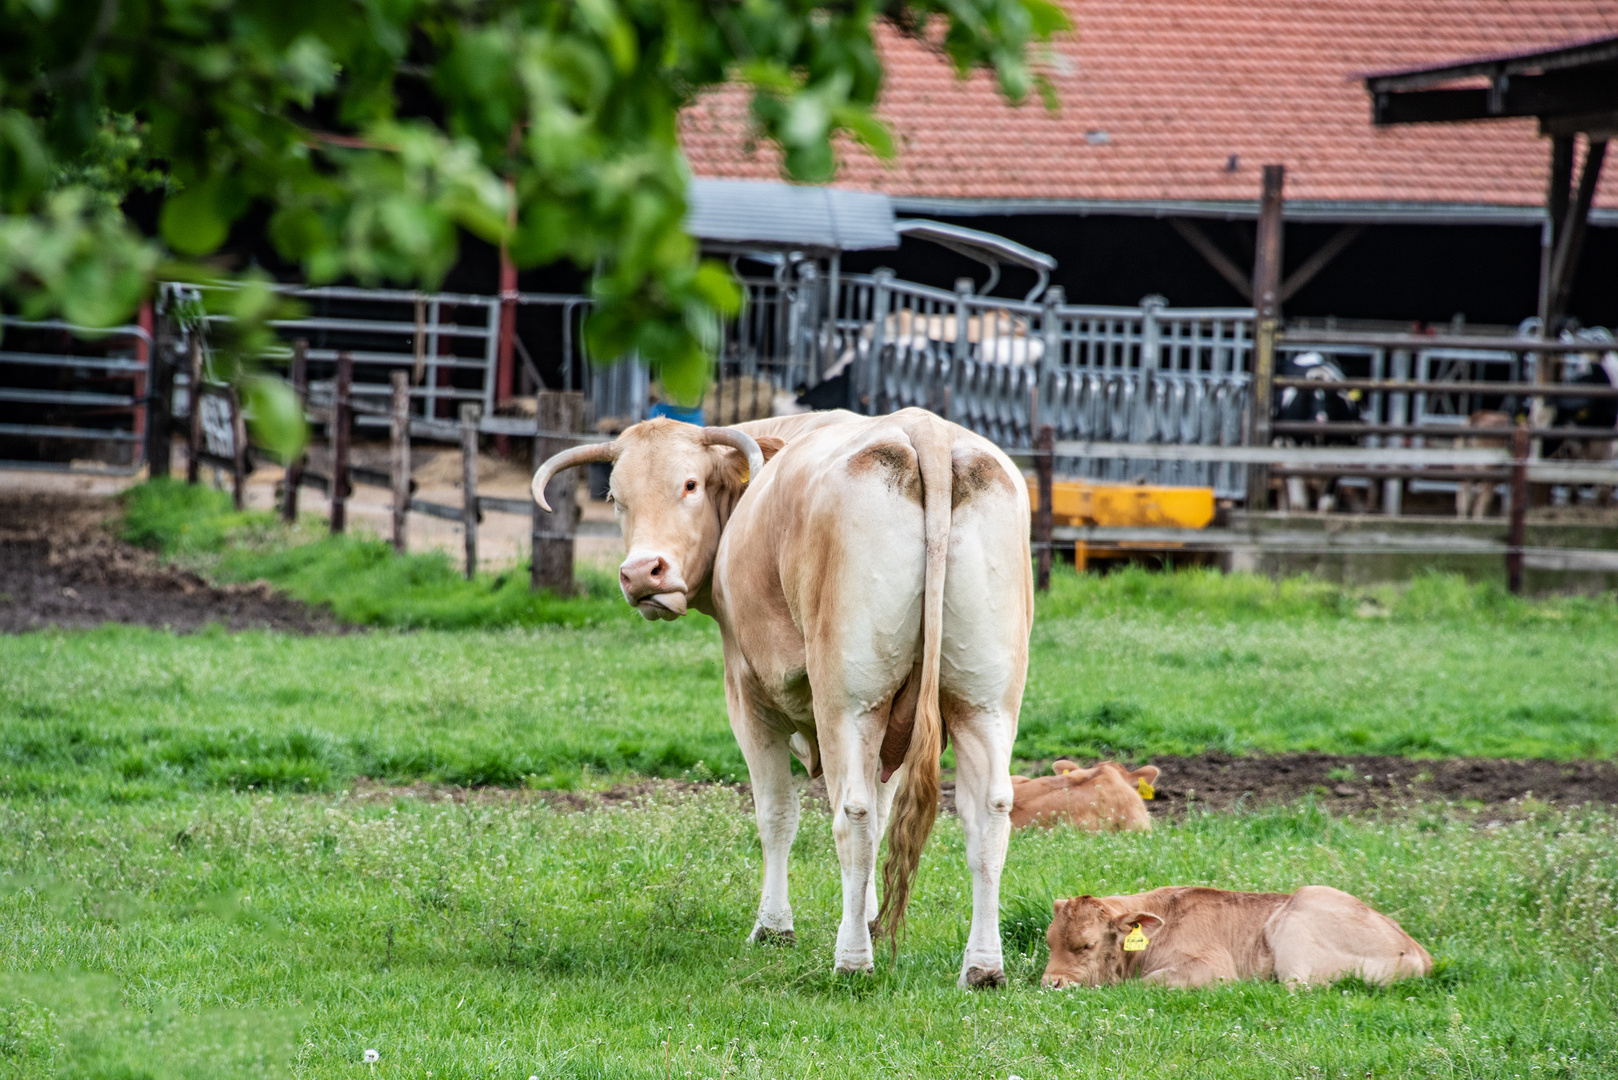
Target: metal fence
72	397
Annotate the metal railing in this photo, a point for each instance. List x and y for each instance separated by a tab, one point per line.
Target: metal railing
71	394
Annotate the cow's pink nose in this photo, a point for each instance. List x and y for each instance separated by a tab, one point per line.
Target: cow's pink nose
642	576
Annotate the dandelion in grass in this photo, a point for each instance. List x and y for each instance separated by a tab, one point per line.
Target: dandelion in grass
372	1057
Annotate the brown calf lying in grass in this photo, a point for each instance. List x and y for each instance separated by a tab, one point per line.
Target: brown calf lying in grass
1107	796
1190	936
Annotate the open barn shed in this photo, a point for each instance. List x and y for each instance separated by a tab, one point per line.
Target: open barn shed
1169	110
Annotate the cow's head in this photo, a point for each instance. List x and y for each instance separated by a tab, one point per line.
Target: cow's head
673	487
1086	937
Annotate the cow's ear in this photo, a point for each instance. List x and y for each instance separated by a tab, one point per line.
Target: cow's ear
769	445
1149	924
1064	765
1147	773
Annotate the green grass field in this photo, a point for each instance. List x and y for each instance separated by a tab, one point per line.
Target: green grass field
188	888
285	935
1196	662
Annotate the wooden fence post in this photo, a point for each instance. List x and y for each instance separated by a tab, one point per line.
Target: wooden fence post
1044	468
552	534
1516	534
238	446
300	390
400	435
1267	312
341	421
470	415
194	397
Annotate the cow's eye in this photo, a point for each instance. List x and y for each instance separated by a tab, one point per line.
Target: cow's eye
690	485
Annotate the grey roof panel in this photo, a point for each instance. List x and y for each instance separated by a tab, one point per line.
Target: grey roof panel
767	214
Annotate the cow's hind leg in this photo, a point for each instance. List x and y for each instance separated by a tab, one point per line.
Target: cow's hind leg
983	801
853	788
988	598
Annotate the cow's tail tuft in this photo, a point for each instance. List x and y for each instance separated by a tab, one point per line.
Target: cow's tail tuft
915	805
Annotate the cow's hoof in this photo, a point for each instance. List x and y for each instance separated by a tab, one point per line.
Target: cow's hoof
977	978
763	935
854	968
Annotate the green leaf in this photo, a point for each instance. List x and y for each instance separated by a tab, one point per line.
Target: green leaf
192	222
276	416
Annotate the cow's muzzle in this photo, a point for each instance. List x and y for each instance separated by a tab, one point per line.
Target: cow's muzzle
651	584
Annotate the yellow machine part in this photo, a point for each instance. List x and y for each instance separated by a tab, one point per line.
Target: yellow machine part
1088	502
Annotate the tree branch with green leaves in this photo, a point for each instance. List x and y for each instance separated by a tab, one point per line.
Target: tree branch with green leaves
370	133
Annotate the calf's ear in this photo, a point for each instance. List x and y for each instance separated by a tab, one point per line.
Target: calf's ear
769	445
1147	773
1064	765
1149	924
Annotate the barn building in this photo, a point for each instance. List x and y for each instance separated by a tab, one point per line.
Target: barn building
1146	179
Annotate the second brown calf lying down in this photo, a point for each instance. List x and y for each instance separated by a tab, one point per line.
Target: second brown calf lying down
1190	936
1106	796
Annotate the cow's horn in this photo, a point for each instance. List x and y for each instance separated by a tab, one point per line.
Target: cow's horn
741	440
567	459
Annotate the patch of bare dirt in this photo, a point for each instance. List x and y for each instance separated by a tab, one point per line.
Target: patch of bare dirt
61	566
1352	784
1214	782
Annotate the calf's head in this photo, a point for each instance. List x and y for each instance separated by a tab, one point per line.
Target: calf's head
673	487
1086	938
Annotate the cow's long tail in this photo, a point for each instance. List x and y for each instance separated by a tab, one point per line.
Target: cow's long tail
916	803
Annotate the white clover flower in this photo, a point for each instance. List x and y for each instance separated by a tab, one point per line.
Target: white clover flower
372	1057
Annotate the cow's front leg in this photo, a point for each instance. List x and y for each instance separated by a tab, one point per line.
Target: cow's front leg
775	809
983	801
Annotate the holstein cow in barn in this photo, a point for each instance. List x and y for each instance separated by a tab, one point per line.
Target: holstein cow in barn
1190	936
1307	405
1597	412
872	585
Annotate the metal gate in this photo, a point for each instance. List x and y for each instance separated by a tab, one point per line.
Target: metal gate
72	397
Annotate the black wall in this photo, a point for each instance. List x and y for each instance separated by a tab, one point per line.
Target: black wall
1414	273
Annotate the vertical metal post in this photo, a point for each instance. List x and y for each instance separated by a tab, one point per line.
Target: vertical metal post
834	286
1267	259
471	414
1044	468
963	321
551	535
160	400
1050	360
880	298
194	397
300	391
1516	534
399	437
341	421
1398	413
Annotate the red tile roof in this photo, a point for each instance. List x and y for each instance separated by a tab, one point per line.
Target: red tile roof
1157	95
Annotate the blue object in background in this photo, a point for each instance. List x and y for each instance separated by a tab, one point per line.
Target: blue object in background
674	412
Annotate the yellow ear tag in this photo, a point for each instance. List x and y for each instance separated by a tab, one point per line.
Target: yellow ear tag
1147	791
1136	941
747	474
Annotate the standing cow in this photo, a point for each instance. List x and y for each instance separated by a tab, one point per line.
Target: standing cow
873	590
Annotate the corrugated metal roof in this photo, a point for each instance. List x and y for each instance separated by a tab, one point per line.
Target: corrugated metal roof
768	214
